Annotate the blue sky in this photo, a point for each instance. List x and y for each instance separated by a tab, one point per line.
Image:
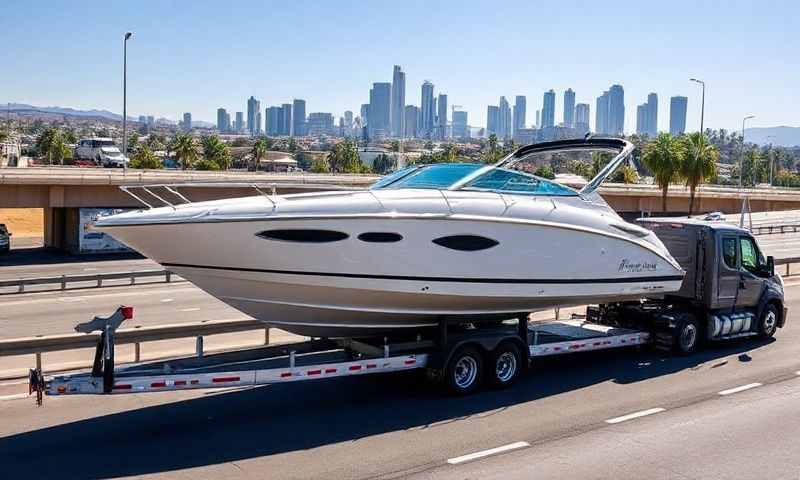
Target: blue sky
200	55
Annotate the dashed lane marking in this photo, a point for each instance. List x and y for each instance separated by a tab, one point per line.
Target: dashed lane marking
742	388
633	415
486	453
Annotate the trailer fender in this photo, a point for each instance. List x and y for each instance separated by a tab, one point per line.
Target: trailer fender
772	296
486	344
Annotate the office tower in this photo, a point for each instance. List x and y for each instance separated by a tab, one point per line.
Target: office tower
227	122
427	106
364	114
677	115
187	121
320	124
239	125
569	108
410	121
253	108
142	119
380	99
222	116
258	122
348	119
273	126
601	114
398	101
504	119
538	119
520	108
298	118
492	120
652	114
582	118
616	110
286	119
641	119
549	109
460	129
151	120
441	117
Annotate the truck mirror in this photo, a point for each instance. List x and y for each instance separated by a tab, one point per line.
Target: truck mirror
771	265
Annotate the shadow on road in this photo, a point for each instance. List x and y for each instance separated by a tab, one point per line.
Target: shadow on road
231	426
27	256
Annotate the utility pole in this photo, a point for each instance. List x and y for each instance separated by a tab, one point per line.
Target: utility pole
741	153
125	100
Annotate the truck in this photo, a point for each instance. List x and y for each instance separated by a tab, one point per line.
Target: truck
101	150
730	291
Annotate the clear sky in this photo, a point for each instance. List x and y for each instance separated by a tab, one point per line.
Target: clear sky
199	55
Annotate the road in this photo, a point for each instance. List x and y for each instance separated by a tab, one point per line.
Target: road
395	425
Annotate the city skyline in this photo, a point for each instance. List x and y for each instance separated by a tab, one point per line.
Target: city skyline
169	75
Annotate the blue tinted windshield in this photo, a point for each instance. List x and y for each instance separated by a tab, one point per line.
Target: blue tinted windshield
438	175
393	177
502	180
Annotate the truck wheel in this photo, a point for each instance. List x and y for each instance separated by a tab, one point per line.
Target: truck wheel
768	323
687	335
505	366
464	372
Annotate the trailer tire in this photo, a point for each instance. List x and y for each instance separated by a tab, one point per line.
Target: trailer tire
768	323
505	365
464	372
686	335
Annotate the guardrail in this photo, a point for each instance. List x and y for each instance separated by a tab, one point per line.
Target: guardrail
787	262
97	278
769	229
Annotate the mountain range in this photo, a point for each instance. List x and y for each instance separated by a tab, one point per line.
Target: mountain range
779	136
24	107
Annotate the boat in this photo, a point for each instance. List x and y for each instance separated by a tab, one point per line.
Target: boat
429	243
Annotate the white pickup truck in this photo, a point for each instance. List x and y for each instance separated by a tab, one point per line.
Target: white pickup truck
101	150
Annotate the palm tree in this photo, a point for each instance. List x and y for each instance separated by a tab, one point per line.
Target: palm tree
185	148
259	151
664	157
699	163
216	151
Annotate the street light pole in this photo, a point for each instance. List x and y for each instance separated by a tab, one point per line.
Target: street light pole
771	159
125	100
741	153
702	102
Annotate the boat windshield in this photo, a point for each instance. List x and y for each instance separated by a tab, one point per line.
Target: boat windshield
433	176
508	180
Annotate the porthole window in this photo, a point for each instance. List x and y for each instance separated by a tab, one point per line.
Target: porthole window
380	237
466	243
303	235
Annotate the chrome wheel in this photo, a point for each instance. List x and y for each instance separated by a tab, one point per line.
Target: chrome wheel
506	366
770	322
688	337
465	372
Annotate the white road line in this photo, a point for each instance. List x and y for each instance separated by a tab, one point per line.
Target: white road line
633	415
731	391
167	300
797	373
101	295
13	397
486	453
190	310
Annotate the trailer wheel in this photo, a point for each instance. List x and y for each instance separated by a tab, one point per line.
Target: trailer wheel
505	366
768	323
687	335
464	371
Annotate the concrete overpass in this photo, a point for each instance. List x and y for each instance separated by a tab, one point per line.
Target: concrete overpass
61	192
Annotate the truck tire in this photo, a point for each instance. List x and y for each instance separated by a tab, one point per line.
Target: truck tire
505	365
768	323
686	334
464	372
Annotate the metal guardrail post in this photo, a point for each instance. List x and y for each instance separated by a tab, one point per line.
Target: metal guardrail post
168	275
99	281
63	282
266	336
557	312
39	361
133	278
137	352
199	346
21	286
787	269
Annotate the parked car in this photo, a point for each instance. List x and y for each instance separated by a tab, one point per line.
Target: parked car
5	239
101	150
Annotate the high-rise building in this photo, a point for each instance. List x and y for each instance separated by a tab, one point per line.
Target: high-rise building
582	118
187	121
398	101
520	108
142	119
253	108
492	120
652	114
428	109
273	126
616	110
677	115
364	114
239	125
441	117
411	115
298	118
222	117
380	99
504	119
641	119
569	108
460	129
286	119
348	119
601	114
538	119
151	120
549	109
320	124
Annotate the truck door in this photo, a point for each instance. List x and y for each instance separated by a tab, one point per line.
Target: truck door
728	279
752	268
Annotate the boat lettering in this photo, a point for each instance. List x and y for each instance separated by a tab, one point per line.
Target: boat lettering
627	266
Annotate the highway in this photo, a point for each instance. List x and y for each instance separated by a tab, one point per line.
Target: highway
553	424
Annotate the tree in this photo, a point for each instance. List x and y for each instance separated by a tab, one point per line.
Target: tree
51	145
185	148
754	169
320	166
580	167
664	157
395	146
292	145
699	163
259	151
344	158
216	151
70	136
133	140
3	136
145	159
626	174
384	163
545	171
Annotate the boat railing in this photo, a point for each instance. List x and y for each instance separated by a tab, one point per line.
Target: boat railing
175	194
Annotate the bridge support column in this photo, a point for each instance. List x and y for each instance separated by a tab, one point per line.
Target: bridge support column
61	229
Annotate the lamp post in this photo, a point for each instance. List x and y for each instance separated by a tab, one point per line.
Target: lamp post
771	158
741	153
702	102
128	35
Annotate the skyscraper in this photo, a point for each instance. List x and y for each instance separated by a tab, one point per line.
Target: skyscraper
652	114
187	121
320	123
398	101
380	99
222	115
253	108
273	126
298	118
520	107
582	118
677	115
239	126
569	108
616	110
504	119
601	114
427	105
286	119
492	120
549	109
441	117
460	129
538	119
641	119
348	119
410	121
